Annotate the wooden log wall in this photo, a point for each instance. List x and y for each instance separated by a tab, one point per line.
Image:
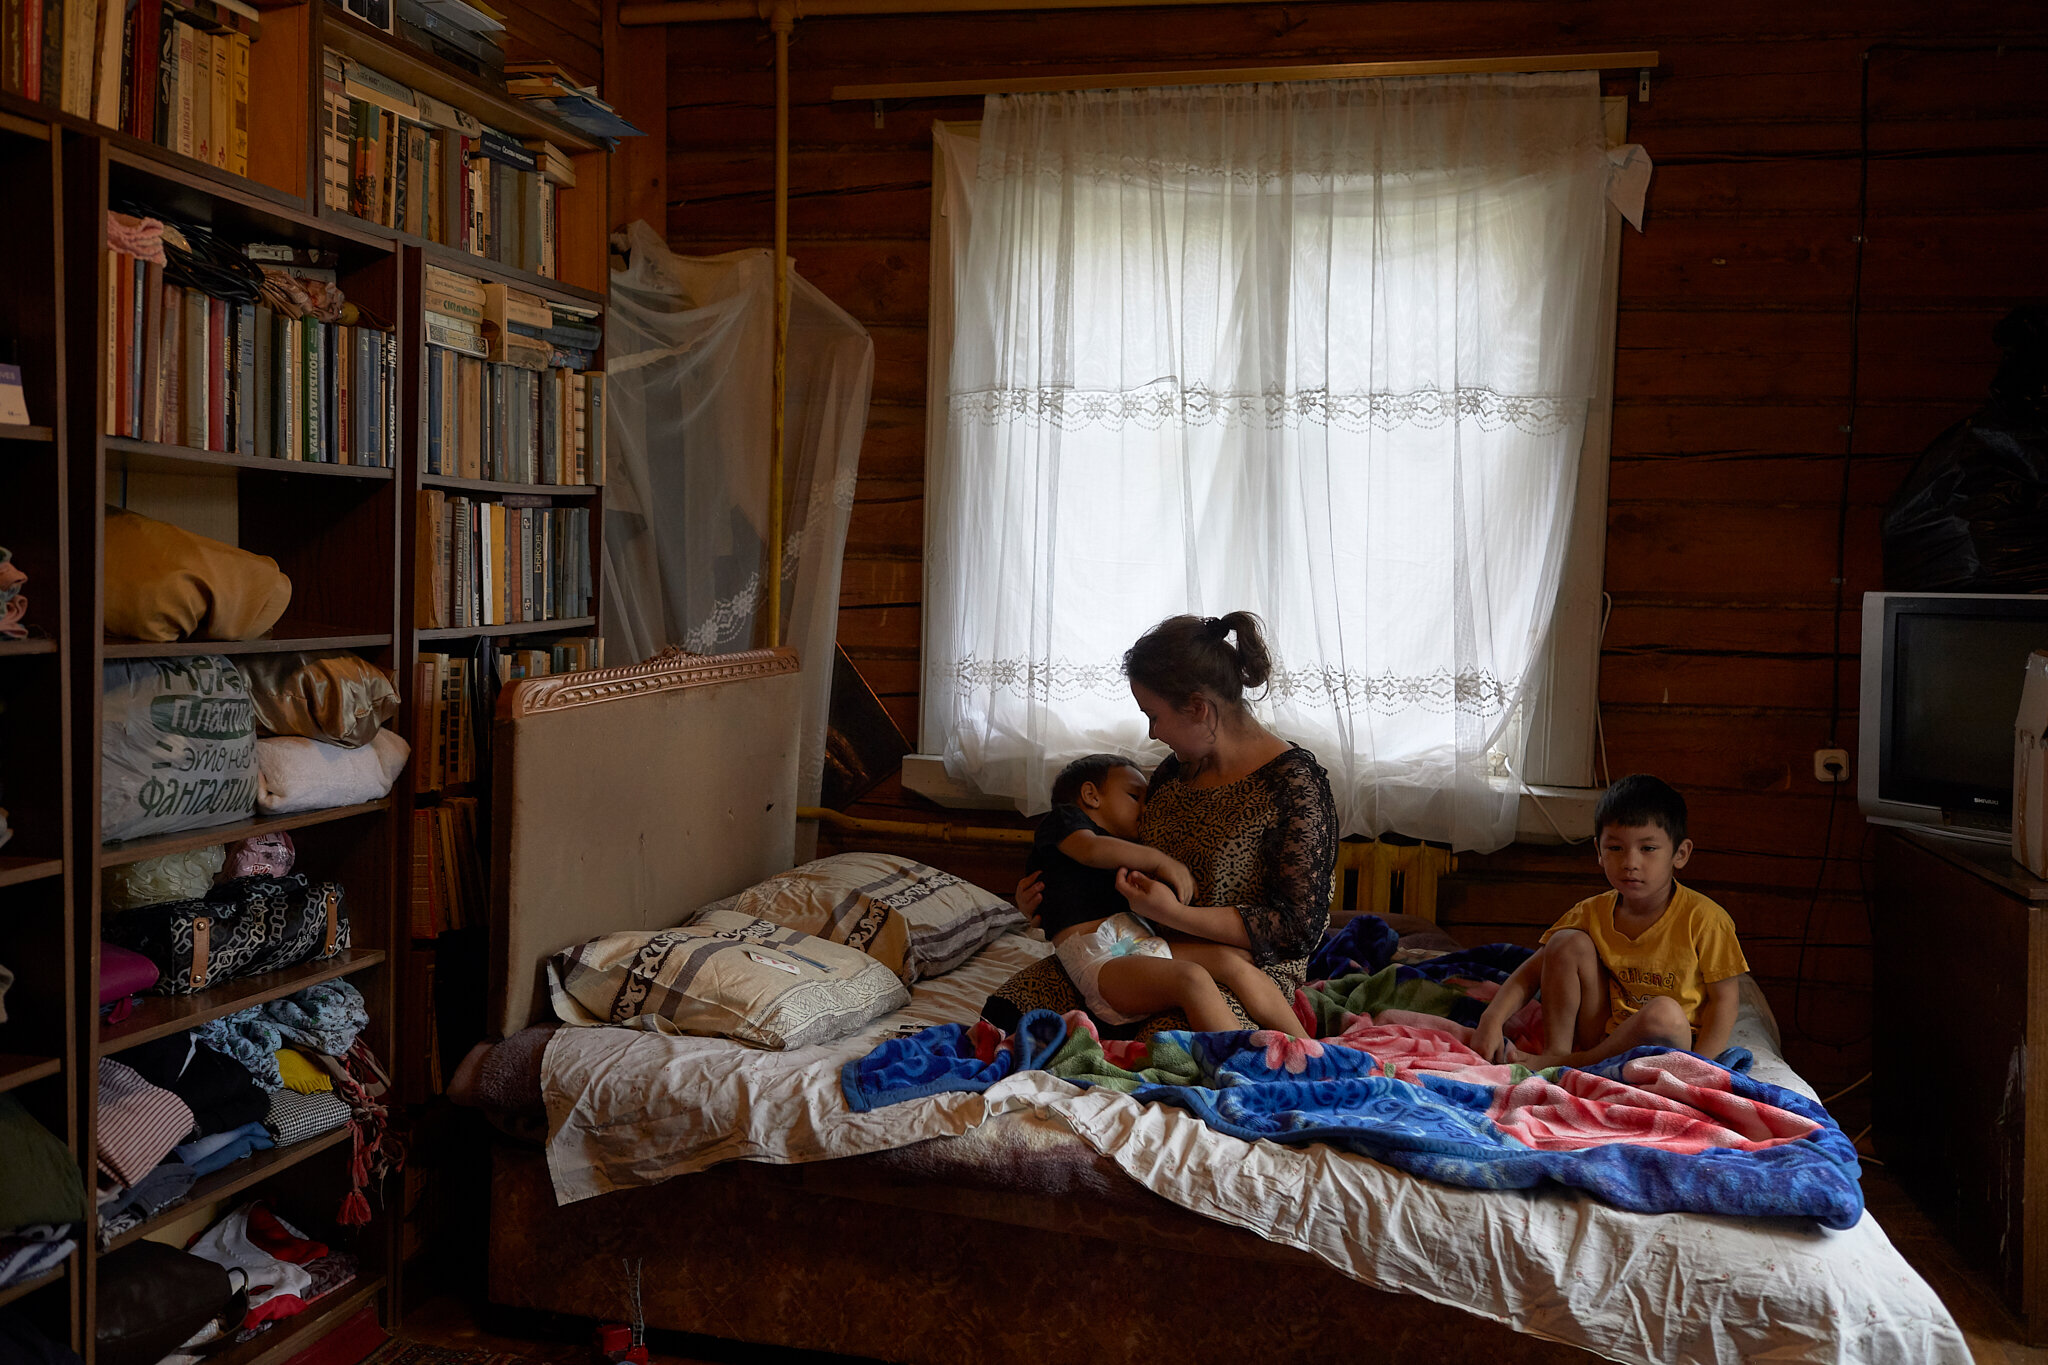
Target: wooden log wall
1732	377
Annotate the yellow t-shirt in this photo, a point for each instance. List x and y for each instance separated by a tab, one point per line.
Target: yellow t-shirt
1691	946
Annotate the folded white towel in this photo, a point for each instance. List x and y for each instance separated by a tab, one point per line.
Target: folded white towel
295	774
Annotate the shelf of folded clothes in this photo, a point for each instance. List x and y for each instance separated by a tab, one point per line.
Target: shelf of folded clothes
158	1015
293	1286
23	1286
193	1117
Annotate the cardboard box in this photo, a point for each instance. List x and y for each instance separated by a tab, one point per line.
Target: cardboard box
2030	770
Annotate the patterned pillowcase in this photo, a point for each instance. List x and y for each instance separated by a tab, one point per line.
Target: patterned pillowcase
878	901
727	974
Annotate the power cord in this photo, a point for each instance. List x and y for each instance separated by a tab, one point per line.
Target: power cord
195	257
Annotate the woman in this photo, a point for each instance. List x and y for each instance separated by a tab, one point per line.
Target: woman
1250	815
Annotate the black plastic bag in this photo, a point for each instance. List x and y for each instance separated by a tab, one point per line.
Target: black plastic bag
1972	516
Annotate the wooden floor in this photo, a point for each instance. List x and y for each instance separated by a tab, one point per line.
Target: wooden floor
1993	1334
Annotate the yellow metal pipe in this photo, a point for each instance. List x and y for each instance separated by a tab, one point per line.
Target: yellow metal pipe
782	20
907	829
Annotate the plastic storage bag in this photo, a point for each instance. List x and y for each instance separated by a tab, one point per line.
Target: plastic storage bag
1973	514
177	746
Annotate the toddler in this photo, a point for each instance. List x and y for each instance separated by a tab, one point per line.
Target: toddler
1123	969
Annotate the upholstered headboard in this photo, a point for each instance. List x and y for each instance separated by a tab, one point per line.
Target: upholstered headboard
627	797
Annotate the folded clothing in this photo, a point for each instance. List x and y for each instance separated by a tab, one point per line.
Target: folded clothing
271	1252
28	1252
39	1179
295	774
323	1019
300	1074
222	1093
208	1154
139	1123
166	1183
295	1117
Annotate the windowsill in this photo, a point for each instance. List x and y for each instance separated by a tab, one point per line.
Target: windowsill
1570	808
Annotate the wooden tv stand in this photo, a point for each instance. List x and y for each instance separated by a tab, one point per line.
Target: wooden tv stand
1960	935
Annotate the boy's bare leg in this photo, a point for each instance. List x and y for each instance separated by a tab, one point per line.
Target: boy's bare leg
1659	1023
1574	994
1149	985
1258	993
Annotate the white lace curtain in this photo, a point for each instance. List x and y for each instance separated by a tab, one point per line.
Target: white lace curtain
690	354
1323	351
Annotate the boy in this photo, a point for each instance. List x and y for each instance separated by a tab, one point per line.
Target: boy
1122	968
1653	963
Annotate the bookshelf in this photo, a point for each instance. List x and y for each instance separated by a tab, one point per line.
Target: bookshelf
39	1061
345	534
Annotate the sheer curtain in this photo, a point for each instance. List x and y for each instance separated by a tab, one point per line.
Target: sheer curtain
690	358
1323	351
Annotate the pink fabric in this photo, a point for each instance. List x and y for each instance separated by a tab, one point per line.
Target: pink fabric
142	238
1672	1101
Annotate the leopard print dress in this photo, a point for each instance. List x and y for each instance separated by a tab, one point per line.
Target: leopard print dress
1266	844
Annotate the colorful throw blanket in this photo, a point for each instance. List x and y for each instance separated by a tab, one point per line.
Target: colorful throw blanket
1653	1130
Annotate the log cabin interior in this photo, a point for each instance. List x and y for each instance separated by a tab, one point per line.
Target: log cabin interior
1827	314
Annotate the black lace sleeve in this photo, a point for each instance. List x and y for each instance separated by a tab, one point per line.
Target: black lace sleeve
1300	855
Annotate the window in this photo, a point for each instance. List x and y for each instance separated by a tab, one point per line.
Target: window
1337	353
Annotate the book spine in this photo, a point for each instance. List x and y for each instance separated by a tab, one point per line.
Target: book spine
106	77
221	93
193	363
50	89
12	65
238	103
164	133
171	376
127	74
263	385
202	95
150	426
147	74
110	340
246	388
187	89
217	371
81	32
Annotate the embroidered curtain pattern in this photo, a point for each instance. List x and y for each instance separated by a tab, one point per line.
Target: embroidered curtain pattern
1320	350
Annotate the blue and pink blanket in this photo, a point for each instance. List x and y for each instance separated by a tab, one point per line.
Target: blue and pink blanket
1653	1130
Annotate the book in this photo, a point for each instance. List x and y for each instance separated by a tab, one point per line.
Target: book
186	83
238	103
220	92
13	401
197	405
110	17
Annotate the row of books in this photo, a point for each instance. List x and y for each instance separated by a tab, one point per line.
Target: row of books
449	884
499	563
252	379
509	394
176	74
407	160
444	738
571	654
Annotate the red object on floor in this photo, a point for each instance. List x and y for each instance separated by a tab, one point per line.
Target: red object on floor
348	1344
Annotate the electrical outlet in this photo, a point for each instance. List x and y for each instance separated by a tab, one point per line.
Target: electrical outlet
1831	765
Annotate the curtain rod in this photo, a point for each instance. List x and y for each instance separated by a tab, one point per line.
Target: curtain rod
1581	61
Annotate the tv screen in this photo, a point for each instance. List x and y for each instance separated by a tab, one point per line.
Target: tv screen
1954	690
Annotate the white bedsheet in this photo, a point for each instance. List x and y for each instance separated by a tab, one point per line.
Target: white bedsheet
628	1109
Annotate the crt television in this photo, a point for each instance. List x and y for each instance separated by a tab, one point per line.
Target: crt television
1941	688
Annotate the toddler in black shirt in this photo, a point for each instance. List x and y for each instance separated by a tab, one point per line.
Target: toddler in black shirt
1123	968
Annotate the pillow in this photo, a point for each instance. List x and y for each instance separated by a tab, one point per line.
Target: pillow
727	974
339	697
165	583
177	746
173	877
861	898
294	774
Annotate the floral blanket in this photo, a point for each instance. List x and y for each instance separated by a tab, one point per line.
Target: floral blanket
1653	1130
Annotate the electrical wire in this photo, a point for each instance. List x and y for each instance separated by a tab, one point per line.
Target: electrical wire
196	258
1846	1089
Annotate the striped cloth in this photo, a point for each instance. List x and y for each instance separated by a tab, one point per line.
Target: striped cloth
295	1117
139	1123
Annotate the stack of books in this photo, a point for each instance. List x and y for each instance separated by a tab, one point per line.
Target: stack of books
449	886
173	73
406	160
571	654
549	87
510	393
499	563
253	379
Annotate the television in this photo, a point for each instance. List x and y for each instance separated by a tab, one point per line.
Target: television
1941	688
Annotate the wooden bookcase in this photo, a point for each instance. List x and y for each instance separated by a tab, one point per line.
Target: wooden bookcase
38	1042
343	534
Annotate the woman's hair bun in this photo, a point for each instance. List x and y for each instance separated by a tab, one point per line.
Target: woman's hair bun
1184	656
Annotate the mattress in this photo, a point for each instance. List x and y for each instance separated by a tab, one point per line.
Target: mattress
627	1110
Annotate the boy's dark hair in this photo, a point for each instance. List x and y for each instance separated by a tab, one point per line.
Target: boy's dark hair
1640	799
1066	788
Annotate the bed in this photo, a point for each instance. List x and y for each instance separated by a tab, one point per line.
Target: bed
1038	1221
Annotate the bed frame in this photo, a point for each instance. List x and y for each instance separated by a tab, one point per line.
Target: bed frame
628	794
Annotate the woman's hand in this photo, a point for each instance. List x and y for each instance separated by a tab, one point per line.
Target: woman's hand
1149	897
1176	875
1031	895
